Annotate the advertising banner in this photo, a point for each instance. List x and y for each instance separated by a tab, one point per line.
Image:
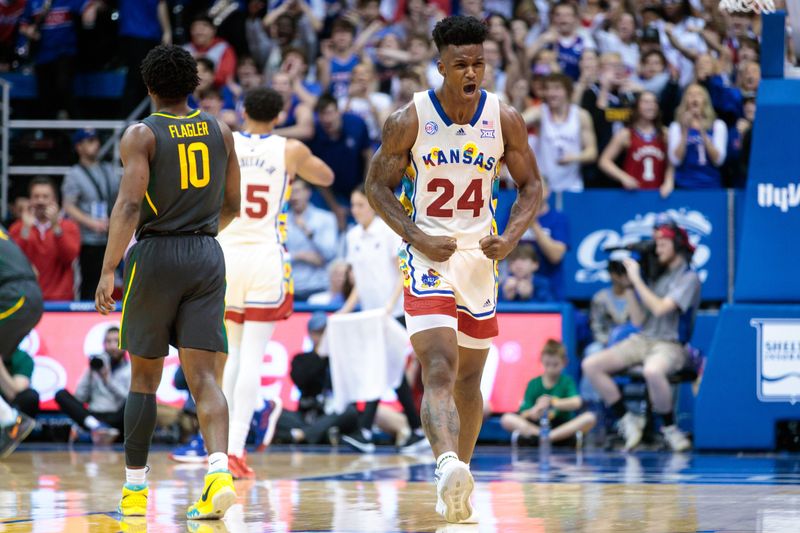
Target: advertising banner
601	219
63	342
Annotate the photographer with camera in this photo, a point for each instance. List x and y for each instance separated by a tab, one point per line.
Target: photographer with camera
103	388
663	305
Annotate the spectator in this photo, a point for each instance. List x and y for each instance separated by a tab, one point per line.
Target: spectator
143	24
205	43
621	40
552	395
654	77
103	388
297	120
549	234
365	101
340	284
50	30
295	64
16	208
311	422
205	73
342	141
520	285
644	143
311	240
16	370
89	191
212	102
564	38
681	38
609	102
339	58
51	242
372	254
609	306
10	15
664	308
697	142
566	138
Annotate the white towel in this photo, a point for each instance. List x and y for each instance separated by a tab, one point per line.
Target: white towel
367	352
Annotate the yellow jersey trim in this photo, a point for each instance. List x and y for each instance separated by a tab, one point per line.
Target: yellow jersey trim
150	202
168	115
13	309
125	301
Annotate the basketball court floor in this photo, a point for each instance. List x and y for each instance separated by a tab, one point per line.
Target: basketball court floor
48	489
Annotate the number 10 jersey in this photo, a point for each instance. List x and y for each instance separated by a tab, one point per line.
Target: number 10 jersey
450	184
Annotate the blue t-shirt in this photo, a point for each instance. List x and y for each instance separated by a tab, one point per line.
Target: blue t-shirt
341	74
556	225
344	155
139	18
59	37
569	57
696	170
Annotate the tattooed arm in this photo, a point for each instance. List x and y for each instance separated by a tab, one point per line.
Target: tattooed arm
385	173
521	164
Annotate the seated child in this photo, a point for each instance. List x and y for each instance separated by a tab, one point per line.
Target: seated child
553	394
519	285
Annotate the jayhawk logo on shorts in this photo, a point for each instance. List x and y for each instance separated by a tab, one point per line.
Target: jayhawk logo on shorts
431	279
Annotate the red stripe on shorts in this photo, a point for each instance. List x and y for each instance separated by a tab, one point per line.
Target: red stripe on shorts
475	328
235	316
429	305
270	314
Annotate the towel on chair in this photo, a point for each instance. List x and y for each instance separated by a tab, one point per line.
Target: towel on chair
367	355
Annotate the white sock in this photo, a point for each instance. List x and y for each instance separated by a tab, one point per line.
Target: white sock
445	458
217	461
8	415
247	390
91	422
136	476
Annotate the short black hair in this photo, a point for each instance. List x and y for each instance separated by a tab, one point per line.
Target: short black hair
203	17
342	24
170	72
42	180
459	30
263	104
206	62
112	329
324	101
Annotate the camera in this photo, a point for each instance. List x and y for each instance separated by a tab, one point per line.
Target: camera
96	363
645	253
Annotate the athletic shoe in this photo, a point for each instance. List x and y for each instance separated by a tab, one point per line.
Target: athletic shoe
218	496
194	452
267	420
104	435
359	442
415	443
134	500
630	428
133	524
12	435
454	485
675	438
238	467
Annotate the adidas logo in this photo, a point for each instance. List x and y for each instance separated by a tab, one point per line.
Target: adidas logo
488	303
461	131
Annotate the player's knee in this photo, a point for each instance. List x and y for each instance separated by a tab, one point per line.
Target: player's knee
470	378
440	374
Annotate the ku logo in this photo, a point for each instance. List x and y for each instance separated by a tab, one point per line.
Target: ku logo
431	279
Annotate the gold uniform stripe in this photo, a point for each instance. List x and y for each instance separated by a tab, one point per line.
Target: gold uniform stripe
167	115
13	309
125	300
150	202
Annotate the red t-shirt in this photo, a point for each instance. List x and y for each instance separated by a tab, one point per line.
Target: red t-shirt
52	256
646	159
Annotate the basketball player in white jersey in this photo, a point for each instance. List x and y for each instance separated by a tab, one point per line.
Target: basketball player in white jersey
445	148
566	136
258	272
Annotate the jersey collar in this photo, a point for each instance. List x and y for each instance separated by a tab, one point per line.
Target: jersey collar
447	122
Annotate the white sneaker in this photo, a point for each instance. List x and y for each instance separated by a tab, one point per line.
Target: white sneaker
675	438
454	485
630	427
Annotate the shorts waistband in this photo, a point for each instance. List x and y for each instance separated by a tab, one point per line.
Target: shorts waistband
151	234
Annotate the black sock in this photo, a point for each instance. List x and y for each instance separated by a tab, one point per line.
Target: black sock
140	422
618	408
668	418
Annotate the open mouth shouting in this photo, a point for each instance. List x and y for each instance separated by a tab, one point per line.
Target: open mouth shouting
470	89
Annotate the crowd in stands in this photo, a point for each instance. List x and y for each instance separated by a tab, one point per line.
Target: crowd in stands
634	94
